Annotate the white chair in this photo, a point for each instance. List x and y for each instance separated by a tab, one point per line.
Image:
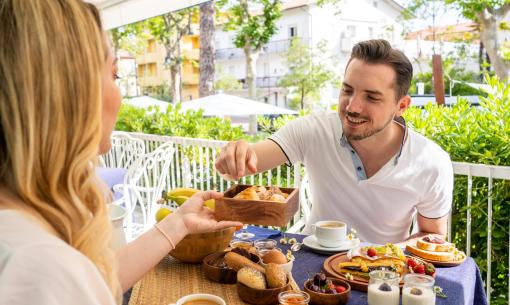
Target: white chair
124	151
143	185
305	205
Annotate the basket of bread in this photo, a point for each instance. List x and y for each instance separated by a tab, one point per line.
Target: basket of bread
437	251
258	205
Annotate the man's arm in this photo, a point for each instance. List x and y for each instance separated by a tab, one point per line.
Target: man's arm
240	158
429	226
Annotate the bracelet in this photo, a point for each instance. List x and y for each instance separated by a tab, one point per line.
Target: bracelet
166	236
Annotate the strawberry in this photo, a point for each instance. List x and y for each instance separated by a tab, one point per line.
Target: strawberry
419	269
430	270
371	252
411	262
340	289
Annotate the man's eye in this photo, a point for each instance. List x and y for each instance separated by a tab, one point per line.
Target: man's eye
346	91
373	99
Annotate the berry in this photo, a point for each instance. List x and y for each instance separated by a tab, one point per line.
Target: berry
411	262
371	252
385	287
430	270
330	286
314	288
317	279
340	289
330	291
419	269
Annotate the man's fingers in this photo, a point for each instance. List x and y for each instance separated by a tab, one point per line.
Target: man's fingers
230	154
240	159
251	161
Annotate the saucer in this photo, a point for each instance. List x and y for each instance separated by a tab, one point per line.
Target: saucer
312	243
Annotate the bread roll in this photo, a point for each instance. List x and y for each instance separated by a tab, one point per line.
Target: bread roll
236	262
251	278
248	194
275	275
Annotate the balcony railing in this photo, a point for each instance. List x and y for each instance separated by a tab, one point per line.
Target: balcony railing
277	46
193	166
265	82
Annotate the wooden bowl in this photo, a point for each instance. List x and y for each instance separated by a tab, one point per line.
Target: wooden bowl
222	275
194	247
317	298
260	296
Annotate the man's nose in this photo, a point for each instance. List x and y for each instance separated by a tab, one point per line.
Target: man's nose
355	104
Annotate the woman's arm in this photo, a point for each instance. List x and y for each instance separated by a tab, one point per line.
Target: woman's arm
138	257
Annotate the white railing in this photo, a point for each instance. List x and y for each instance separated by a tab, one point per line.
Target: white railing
186	171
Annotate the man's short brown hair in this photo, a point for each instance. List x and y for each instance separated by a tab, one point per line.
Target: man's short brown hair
379	51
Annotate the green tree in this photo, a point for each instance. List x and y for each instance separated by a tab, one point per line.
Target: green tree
168	29
488	14
310	70
254	29
131	38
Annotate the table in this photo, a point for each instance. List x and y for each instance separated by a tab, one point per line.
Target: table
462	284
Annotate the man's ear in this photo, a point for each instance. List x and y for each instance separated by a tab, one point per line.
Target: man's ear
403	103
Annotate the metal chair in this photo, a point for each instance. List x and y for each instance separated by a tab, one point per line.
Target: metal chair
305	205
143	185
124	151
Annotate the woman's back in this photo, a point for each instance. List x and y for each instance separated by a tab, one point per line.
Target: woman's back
38	268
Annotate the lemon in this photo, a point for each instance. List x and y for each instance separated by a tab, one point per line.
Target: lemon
162	213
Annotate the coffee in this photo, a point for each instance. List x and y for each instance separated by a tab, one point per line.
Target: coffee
200	302
332	225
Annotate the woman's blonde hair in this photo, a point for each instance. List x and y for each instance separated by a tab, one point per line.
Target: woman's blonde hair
52	54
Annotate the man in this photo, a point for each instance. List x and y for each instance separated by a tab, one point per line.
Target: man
365	166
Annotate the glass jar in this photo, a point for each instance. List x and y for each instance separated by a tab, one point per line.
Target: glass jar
265	244
383	288
293	297
239	243
418	290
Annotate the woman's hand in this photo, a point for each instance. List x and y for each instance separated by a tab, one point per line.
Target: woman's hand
199	219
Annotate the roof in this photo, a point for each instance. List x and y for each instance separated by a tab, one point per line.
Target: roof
467	31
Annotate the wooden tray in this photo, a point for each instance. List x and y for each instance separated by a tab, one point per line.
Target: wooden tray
357	283
257	212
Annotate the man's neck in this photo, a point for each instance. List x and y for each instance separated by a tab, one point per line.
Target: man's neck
377	150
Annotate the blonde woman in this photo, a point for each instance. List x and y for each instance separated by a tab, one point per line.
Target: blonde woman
58	105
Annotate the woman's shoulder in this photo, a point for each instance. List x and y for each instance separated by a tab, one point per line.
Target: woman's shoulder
37	266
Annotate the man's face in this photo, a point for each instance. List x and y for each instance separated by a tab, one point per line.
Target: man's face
367	102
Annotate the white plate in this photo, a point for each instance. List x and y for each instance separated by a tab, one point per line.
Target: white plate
312	243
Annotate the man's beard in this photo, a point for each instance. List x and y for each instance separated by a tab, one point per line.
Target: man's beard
366	134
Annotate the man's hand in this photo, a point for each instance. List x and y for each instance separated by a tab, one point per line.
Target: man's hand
237	159
200	219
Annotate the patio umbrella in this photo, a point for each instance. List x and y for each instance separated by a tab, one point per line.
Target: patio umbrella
116	13
146	102
229	105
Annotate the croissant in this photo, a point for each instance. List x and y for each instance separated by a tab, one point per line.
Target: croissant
248	194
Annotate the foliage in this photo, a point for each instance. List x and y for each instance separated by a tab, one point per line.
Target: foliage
160	92
131	38
174	123
253	29
227	82
309	71
477	135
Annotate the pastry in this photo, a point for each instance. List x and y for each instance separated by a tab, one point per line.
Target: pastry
251	278
236	261
431	255
275	275
248	194
432	243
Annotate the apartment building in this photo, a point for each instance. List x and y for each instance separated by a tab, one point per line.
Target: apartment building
357	20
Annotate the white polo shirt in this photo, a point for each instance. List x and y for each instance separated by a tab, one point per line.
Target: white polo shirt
381	208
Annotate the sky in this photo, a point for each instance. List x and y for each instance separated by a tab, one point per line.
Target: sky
444	17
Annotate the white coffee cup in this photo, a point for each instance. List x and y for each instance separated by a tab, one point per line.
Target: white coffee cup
330	233
201	296
117	215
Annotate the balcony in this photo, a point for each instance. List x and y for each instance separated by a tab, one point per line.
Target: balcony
265	82
193	54
278	46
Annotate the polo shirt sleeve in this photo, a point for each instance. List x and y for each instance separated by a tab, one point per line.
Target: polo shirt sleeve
293	138
437	201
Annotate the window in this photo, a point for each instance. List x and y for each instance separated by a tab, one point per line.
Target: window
151	46
376	4
266	69
293	31
266	99
351	31
370	32
231	70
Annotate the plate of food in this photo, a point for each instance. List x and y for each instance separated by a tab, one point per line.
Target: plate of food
355	266
437	251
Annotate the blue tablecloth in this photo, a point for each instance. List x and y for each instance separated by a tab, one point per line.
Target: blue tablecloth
462	284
